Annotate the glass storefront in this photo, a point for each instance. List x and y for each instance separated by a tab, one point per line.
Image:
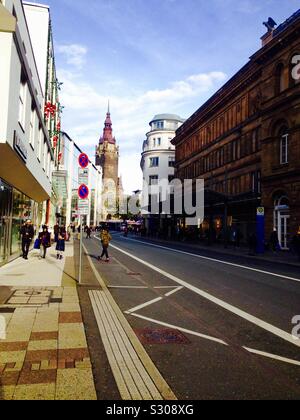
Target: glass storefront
5	212
15	209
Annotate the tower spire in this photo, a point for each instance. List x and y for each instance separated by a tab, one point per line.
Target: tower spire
108	131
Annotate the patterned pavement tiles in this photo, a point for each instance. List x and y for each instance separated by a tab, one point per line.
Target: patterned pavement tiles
45	354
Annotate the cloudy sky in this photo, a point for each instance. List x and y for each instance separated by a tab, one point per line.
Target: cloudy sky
149	57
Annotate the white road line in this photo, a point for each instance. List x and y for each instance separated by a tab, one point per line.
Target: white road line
242	314
273	356
127	287
151	302
206	337
174	291
164	324
215	260
144	305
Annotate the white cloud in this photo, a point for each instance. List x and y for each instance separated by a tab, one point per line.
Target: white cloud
86	107
74	53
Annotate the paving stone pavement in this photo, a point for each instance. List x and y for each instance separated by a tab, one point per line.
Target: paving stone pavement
44	355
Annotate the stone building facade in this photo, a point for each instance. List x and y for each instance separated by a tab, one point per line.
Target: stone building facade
244	142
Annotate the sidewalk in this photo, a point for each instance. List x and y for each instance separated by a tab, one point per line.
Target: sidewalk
281	257
45	354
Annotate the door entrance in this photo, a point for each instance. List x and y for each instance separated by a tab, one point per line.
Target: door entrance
282	222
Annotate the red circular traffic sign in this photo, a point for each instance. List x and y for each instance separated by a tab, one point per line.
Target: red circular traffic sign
83	160
83	192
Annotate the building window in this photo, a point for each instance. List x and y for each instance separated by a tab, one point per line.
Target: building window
45	157
284	149
171	162
22	102
154	162
159	142
280	82
32	127
153	180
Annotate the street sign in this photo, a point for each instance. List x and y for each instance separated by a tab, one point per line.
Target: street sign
260	211
83	160
260	230
83	192
83	207
83	176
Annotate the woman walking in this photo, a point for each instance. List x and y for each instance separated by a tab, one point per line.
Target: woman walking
105	240
45	241
61	243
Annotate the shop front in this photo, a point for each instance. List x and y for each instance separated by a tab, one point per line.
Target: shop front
15	209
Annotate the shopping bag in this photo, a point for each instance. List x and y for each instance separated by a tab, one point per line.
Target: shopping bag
37	244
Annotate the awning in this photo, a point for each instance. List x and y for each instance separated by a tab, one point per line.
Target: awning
7	20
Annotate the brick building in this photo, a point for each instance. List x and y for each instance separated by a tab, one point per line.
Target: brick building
245	142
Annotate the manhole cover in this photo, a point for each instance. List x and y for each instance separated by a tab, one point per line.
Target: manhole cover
32	293
30	297
161	336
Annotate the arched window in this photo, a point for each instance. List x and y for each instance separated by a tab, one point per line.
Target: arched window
284	146
279	79
295	69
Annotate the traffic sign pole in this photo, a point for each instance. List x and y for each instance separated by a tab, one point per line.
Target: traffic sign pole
80	250
83	194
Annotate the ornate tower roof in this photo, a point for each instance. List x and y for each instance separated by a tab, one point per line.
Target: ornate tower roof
107	131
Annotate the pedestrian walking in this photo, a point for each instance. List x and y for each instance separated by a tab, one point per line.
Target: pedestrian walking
88	232
56	232
105	241
27	235
61	243
45	241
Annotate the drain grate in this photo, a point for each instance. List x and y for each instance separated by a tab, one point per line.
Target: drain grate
161	336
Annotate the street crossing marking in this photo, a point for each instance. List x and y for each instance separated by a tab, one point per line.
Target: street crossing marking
242	314
214	260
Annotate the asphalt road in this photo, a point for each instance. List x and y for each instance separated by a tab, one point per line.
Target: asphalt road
235	319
